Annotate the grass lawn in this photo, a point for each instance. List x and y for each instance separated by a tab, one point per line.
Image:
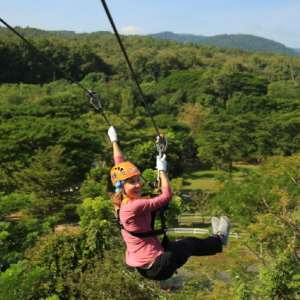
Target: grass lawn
201	176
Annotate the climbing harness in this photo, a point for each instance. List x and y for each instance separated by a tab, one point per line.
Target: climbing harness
153	232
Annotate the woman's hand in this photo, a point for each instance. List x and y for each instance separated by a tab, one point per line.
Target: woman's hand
112	134
161	163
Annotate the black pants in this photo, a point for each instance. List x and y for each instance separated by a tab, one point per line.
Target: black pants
177	253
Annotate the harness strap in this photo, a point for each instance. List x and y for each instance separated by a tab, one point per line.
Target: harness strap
151	233
157	232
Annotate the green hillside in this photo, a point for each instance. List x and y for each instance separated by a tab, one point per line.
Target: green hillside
243	41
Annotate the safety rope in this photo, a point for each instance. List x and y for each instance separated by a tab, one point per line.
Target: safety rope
89	92
41	53
128	62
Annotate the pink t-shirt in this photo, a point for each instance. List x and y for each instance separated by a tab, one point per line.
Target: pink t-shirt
135	215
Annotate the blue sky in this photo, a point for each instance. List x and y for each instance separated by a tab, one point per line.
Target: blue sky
277	20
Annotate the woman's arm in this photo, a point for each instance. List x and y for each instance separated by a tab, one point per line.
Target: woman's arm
164	179
161	166
118	157
116	149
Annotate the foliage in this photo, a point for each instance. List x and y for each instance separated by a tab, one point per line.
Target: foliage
196	201
112	279
150	176
12	203
173	213
271	228
57	268
17	236
19	283
97	183
96	215
227	105
176	185
47	180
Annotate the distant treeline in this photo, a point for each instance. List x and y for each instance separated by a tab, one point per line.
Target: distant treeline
152	59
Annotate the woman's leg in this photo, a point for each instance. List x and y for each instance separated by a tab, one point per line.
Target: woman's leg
163	268
193	246
177	253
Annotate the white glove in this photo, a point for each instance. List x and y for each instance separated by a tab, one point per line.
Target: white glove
112	134
161	163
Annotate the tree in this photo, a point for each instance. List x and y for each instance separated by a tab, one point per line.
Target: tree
20	283
12	203
193	114
48	181
22	136
284	89
65	265
97	183
271	230
224	139
96	215
224	83
18	235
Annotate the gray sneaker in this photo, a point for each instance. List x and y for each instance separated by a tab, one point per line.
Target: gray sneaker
215	225
224	229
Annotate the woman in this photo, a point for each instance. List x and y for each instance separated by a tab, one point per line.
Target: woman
151	259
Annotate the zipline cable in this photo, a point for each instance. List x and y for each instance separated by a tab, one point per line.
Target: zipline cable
128	61
127	123
59	68
41	53
89	92
52	62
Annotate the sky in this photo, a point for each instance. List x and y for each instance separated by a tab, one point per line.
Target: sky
277	20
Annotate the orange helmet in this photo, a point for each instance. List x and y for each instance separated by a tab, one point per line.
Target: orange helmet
123	171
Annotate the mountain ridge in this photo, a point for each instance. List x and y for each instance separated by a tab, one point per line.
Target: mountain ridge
242	41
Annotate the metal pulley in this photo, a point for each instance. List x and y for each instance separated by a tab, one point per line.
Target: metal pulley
161	144
94	98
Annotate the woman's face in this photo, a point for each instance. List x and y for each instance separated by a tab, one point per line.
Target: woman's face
133	187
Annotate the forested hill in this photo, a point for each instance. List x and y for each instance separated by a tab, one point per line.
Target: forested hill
36	33
242	41
152	59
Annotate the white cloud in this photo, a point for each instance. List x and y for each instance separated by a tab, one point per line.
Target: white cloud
131	30
256	26
281	32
